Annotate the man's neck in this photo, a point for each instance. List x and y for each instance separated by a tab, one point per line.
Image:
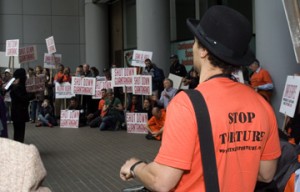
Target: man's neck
208	71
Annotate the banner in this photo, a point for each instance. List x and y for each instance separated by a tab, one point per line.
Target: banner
139	58
50	45
83	85
35	84
136	122
290	96
50	62
99	86
69	118
63	90
12	47
27	54
122	76
142	85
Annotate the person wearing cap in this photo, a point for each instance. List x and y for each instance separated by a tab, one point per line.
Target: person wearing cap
176	68
261	80
243	124
19	104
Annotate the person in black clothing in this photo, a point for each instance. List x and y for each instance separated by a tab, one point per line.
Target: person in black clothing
147	108
191	79
134	104
19	104
176	68
74	105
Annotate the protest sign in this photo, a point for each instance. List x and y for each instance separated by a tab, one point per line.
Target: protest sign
69	118
12	47
290	96
27	54
239	76
83	85
50	45
63	90
136	122
51	60
35	84
142	85
122	76
177	80
139	57
99	86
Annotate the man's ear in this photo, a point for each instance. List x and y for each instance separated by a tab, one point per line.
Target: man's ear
203	52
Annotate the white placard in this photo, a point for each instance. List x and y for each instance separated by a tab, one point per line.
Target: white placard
139	57
50	45
12	47
290	96
177	80
122	76
63	90
239	76
136	123
27	54
51	60
83	85
99	86
142	85
35	84
69	118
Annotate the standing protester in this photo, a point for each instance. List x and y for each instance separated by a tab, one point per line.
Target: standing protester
261	80
244	128
19	104
157	77
176	68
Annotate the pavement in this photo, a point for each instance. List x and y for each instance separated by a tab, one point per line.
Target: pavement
86	159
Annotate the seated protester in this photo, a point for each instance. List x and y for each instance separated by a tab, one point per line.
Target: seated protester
156	124
94	119
112	112
191	79
147	108
134	105
74	105
46	115
167	94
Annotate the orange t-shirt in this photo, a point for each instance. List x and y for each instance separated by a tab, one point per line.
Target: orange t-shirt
244	132
261	77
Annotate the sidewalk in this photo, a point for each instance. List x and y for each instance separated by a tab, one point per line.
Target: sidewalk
86	159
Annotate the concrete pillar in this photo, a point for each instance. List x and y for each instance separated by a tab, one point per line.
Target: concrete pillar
153	30
274	47
96	34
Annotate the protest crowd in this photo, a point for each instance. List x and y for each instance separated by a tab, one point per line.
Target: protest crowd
108	110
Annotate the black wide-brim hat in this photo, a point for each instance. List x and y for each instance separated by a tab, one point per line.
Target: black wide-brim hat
225	33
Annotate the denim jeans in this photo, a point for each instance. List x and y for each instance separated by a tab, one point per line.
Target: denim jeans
34	107
46	119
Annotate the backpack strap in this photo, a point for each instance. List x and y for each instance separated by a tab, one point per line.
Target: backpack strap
205	140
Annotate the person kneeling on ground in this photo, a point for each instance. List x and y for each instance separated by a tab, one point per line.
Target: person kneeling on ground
156	123
46	115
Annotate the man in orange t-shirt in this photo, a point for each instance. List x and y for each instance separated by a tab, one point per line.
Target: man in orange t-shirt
261	80
156	123
244	128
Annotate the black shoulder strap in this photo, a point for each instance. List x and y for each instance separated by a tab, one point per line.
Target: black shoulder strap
206	141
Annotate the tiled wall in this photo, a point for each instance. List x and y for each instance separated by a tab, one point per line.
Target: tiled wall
32	21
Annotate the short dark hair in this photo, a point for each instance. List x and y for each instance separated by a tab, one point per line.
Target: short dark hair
147	60
216	62
74	99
